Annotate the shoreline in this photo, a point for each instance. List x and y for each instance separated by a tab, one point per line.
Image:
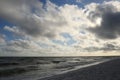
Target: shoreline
87	71
76	68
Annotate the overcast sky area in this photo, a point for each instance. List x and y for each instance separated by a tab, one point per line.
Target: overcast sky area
59	27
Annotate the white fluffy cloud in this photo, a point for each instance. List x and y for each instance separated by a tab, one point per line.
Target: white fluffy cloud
31	18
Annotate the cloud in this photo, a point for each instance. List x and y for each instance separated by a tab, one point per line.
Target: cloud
109	27
15	30
31	18
60	30
2	38
20	47
107	47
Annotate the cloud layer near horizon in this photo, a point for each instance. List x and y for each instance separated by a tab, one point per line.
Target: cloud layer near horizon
48	29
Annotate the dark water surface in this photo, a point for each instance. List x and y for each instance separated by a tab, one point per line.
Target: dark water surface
33	68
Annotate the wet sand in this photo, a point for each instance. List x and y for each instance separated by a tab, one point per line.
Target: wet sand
104	71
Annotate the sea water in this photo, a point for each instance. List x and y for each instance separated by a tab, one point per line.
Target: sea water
33	68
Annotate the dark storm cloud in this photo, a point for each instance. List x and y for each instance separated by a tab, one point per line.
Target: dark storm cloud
100	11
110	24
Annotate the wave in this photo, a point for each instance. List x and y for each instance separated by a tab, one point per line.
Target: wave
42	66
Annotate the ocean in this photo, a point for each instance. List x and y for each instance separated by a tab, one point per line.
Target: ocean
34	68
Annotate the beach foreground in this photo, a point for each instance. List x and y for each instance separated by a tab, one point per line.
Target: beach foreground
105	71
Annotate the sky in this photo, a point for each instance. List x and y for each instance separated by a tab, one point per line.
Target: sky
59	27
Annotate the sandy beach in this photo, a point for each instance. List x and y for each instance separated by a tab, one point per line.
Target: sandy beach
109	70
